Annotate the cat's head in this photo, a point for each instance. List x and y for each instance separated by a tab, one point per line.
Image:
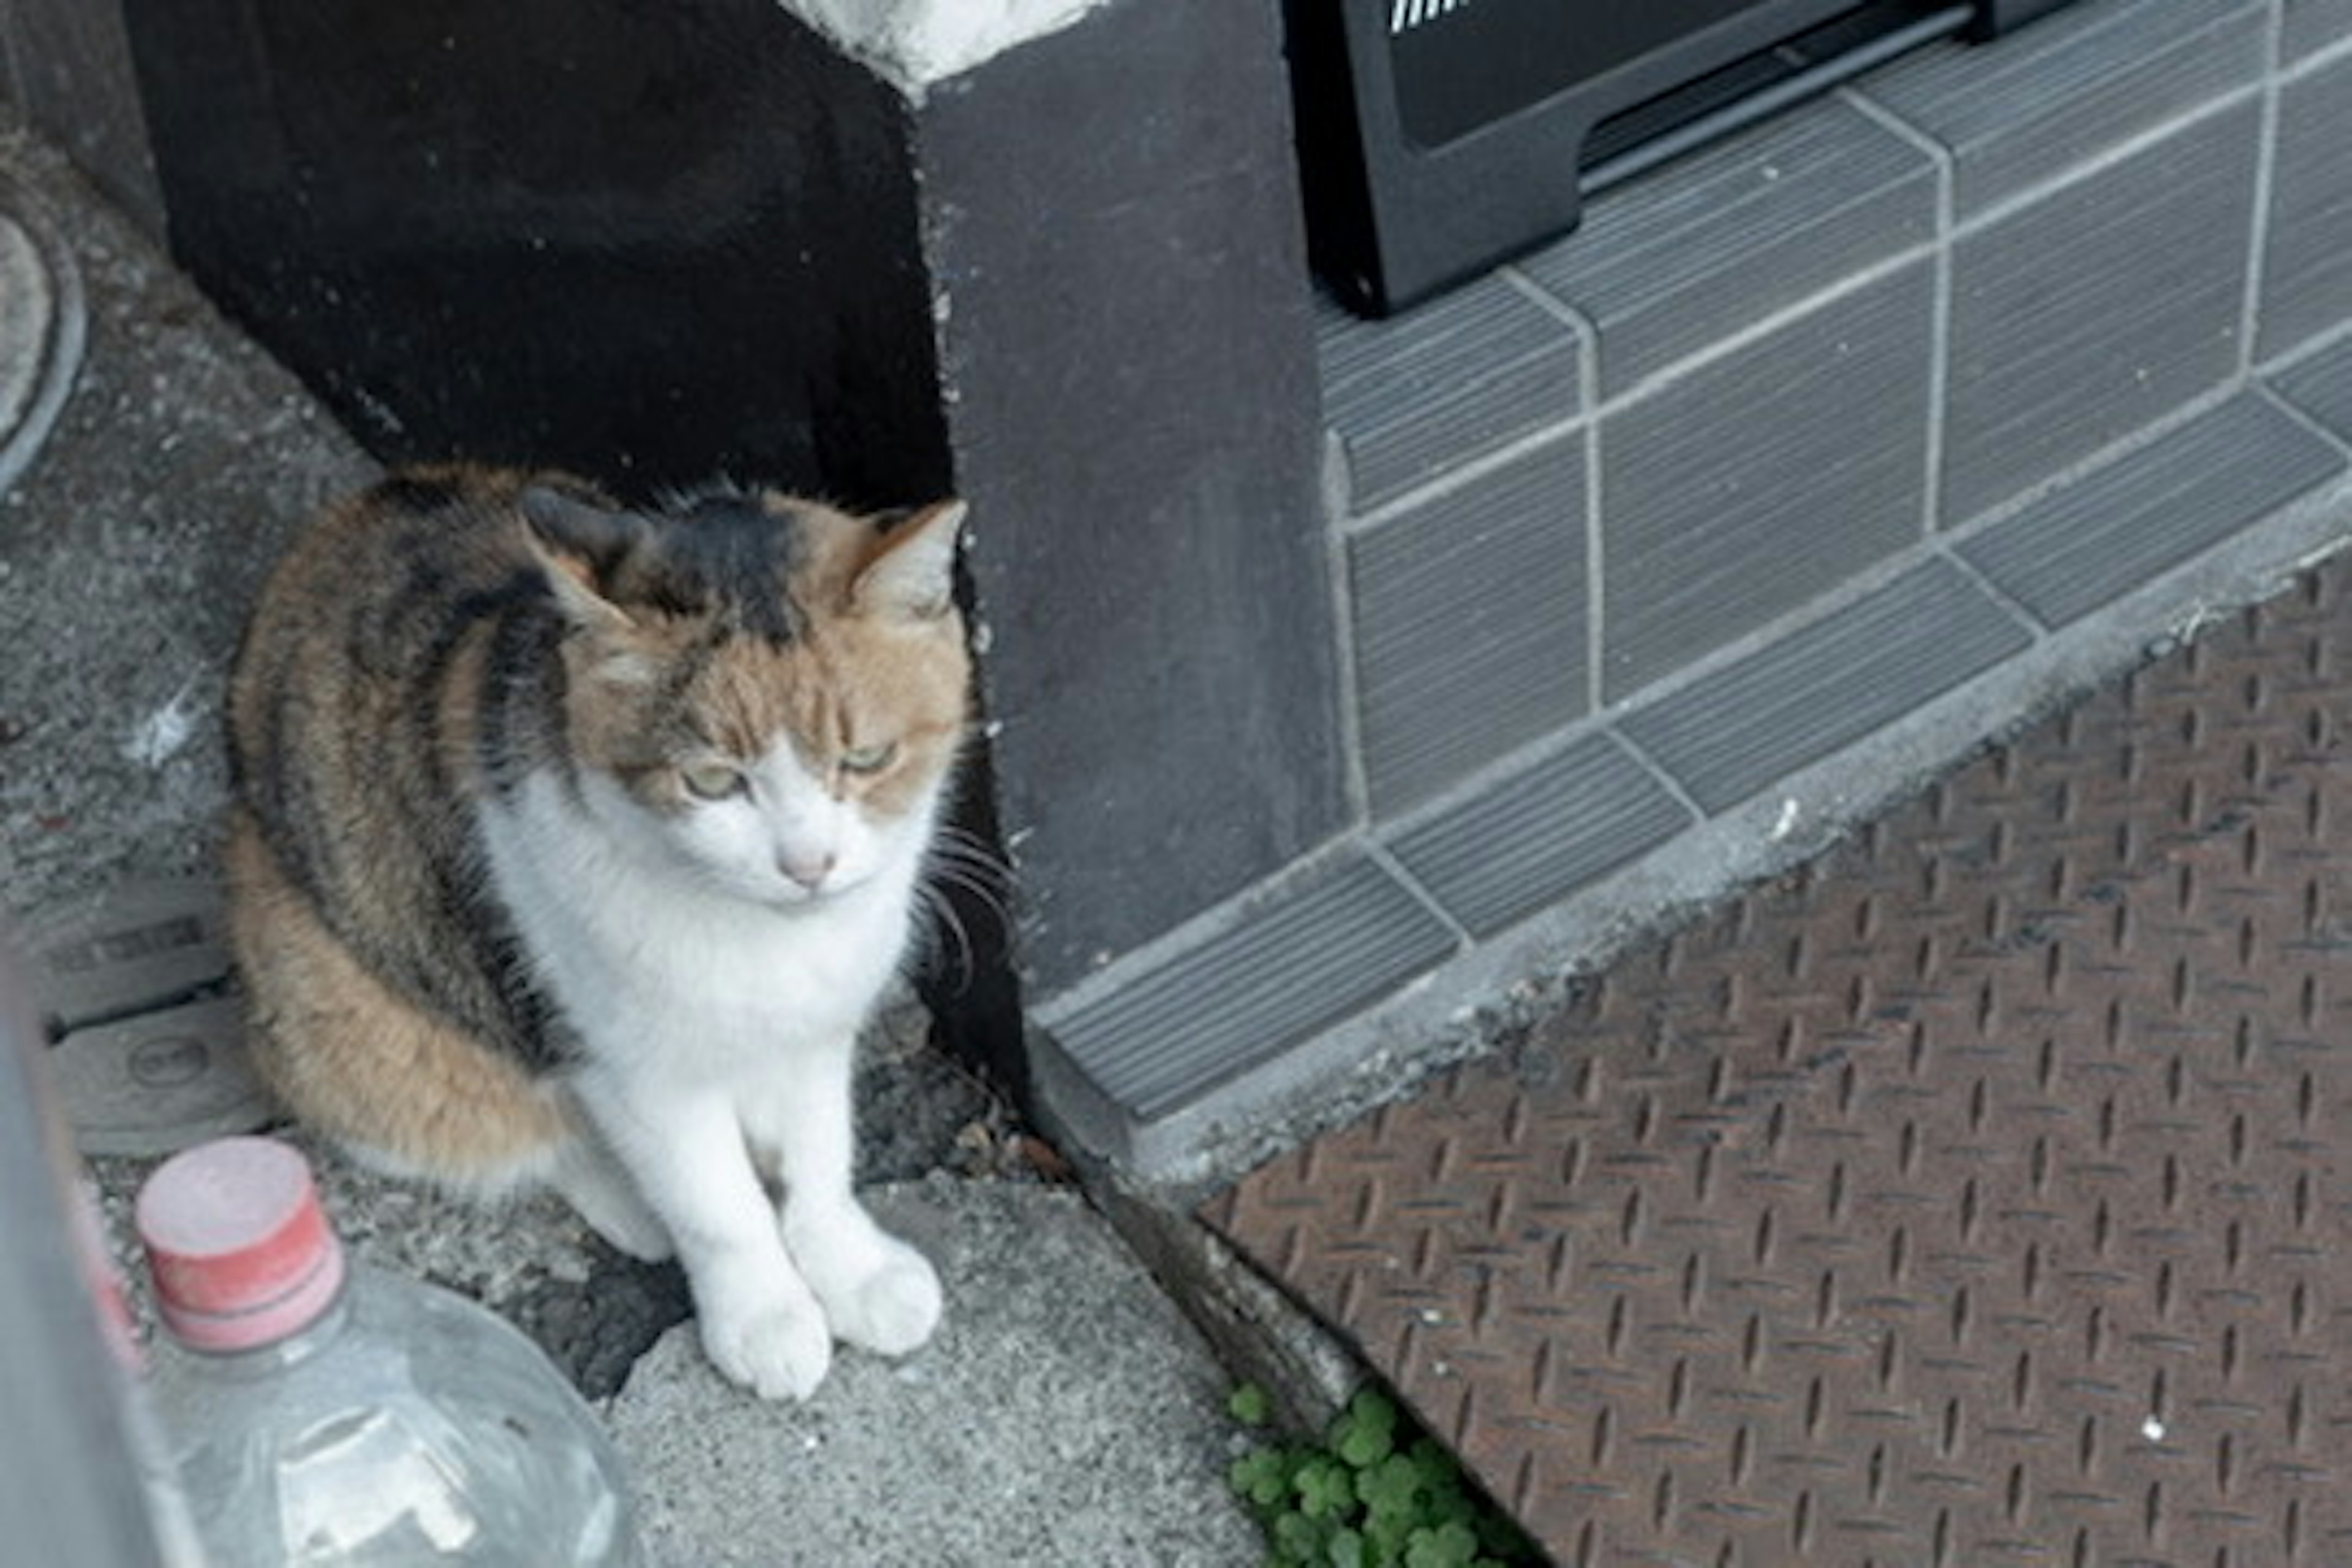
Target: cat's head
769	689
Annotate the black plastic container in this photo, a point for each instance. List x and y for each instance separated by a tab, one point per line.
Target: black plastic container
1437	137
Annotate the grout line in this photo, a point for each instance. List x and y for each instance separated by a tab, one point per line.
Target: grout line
2108	157
1596	571
1371	842
1756	329
1532	753
1338	577
2286	362
1939	330
1198	930
2326	55
1379	854
1746	336
2265	180
1935	250
1659	774
1840	596
2117	450
1461	477
1596	544
2013	608
1521	759
2303	420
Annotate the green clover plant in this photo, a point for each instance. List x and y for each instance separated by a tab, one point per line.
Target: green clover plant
1375	1493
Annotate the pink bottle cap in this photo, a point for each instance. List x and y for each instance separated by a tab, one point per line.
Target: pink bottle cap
240	1248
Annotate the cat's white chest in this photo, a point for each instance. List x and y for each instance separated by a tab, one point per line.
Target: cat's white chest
779	976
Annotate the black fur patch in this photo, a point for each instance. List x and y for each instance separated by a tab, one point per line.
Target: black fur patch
730	554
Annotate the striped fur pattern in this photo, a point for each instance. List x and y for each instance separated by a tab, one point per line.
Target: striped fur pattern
573	843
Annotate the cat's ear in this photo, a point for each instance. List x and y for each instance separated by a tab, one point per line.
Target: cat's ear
581	543
912	572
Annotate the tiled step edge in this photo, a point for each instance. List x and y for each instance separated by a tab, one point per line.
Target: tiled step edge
1320	994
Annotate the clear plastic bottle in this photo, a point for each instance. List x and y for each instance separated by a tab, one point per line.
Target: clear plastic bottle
324	1414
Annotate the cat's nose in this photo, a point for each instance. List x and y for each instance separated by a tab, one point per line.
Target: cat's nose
809	871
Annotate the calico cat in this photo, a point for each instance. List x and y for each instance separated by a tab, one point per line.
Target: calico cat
573	844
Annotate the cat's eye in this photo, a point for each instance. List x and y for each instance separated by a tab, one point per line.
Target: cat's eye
712	781
869	759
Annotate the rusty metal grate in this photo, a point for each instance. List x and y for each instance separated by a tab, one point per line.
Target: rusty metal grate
1981	1194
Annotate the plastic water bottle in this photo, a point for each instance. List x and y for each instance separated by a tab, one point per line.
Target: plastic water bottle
325	1412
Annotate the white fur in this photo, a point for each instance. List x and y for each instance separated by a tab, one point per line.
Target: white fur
718	996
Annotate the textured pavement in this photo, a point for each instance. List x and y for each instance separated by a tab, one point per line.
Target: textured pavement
1980	1193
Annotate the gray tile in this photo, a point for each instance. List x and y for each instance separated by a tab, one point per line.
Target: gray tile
1708	245
2081	317
2105	534
2322	388
2310	25
1470	623
2028	108
1412	396
1735	733
1294	965
1739	491
1534	839
2308	271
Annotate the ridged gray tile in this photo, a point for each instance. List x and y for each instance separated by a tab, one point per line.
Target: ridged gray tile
1733	733
1294	965
2322	388
2104	534
2307	269
2027	107
1709	244
1419	393
1735	493
1535	837
2311	25
2082	316
1470	623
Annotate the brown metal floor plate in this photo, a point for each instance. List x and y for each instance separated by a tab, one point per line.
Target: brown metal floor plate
1981	1194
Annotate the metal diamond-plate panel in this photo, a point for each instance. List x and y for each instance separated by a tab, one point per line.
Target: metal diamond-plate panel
1981	1195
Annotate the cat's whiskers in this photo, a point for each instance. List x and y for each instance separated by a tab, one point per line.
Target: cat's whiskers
986	881
941	906
970	847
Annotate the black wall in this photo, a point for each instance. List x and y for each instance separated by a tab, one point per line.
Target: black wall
647	240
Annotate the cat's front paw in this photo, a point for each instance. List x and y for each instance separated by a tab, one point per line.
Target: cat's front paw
891	1308
779	1351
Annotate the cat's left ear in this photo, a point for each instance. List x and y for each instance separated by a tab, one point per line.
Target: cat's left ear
581	543
912	572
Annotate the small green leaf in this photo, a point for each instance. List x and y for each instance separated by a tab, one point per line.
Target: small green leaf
1449	1545
1392	1487
1249	1406
1301	1537
1325	1489
1363	1446
1348	1550
1385	1534
1262	1477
